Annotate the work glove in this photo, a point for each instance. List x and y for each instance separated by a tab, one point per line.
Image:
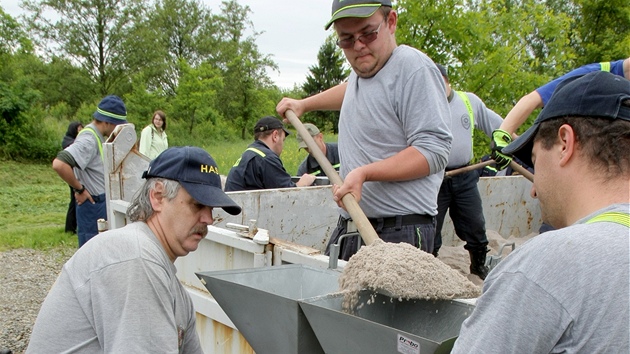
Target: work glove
500	139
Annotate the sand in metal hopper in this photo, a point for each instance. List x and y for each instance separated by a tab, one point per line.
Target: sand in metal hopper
263	304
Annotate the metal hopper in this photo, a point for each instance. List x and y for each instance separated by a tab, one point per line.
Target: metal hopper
263	304
385	325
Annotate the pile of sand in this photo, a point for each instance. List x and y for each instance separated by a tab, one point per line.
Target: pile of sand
402	271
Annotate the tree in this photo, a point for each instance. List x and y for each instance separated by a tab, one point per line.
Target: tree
109	39
197	94
600	30
330	71
13	39
243	69
186	31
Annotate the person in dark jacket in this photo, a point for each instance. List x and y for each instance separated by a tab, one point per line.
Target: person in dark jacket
330	150
260	167
71	216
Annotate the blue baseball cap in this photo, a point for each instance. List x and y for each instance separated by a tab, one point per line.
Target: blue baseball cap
197	172
598	94
355	8
111	109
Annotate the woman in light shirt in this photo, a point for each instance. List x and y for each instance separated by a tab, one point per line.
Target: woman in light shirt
153	139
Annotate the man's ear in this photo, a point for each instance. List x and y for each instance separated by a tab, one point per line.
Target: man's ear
156	195
567	141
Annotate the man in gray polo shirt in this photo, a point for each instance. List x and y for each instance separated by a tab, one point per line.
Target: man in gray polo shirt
81	166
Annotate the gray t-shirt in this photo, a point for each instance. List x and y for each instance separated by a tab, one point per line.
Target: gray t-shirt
117	294
86	153
403	105
564	291
484	119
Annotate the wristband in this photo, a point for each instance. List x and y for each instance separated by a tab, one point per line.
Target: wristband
79	191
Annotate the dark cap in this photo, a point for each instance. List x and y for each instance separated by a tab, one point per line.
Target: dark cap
111	109
355	8
597	94
311	129
197	172
442	70
269	123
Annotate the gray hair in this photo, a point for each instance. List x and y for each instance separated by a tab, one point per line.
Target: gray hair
140	208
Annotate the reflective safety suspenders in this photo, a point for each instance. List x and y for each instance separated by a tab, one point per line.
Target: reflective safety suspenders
319	172
262	154
604	66
100	143
469	109
612	216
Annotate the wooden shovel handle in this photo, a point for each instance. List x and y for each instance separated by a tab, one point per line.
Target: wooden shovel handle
469	168
366	230
522	170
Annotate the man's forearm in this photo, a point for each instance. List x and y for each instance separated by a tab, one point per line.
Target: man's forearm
66	173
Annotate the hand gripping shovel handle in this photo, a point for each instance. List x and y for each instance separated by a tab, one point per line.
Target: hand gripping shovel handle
363	224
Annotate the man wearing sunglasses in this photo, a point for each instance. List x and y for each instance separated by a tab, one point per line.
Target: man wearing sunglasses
394	140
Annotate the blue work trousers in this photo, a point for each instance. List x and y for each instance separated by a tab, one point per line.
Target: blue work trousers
87	216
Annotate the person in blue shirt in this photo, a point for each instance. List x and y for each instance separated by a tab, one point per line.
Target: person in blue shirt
538	99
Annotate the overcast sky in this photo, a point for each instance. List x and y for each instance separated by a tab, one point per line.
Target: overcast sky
293	32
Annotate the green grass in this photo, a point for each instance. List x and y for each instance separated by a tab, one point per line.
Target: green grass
33	204
34	200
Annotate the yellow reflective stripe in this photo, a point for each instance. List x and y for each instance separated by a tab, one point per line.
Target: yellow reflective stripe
469	109
100	143
318	172
612	216
605	66
110	114
256	151
353	6
249	149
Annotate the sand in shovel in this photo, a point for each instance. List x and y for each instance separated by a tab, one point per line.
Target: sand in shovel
402	271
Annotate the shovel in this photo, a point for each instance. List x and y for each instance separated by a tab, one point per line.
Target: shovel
366	230
516	167
468	168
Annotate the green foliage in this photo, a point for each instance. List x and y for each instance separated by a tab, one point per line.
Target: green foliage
244	99
206	72
330	71
100	36
13	39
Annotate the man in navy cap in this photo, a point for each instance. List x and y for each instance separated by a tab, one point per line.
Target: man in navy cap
260	167
566	291
81	166
119	292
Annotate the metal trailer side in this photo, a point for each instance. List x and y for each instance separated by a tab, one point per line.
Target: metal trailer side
302	219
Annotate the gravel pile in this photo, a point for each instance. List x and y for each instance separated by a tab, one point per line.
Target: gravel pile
25	277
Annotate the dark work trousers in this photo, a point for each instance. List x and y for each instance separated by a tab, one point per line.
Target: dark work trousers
87	217
419	235
460	196
71	214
